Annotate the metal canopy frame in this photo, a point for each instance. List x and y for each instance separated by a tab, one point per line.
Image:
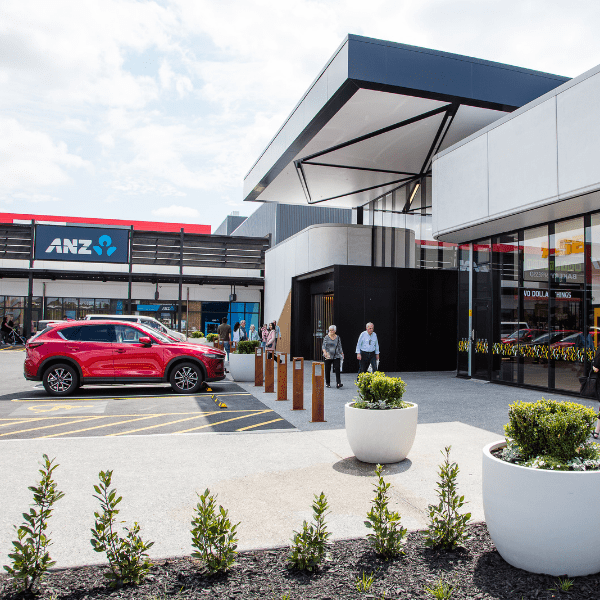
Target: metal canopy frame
449	111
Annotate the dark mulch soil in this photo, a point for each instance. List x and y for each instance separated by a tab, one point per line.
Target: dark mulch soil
477	571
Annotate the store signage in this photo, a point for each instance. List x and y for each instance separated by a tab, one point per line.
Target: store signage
155	308
544	294
81	244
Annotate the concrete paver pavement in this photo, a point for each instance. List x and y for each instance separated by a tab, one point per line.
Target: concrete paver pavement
266	479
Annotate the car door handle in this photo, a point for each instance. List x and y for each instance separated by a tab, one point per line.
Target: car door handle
121	351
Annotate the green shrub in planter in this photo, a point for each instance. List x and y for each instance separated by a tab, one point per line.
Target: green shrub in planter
550	428
212	337
378	391
246	347
196	334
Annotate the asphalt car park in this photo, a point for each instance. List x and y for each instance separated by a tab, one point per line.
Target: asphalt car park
27	412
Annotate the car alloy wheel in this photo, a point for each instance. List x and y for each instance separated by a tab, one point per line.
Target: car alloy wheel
186	378
60	380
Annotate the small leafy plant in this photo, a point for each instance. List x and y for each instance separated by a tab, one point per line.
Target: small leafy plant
127	556
563	585
212	337
196	334
378	391
447	527
213	535
442	590
548	434
309	547
388	534
30	557
246	347
364	583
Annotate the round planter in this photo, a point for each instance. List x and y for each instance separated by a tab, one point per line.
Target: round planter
381	436
241	366
542	521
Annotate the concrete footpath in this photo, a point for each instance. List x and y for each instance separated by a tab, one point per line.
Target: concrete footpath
266	479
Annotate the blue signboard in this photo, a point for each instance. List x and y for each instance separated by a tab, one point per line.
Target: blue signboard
154	307
81	244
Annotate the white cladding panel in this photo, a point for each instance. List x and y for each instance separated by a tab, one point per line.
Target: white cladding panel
579	137
462	190
544	164
522	160
316	247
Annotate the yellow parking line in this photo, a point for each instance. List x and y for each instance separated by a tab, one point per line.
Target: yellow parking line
50	426
258	425
199	416
225	421
99	426
97	398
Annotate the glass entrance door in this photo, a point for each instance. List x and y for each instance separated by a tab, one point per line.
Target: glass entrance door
322	318
480	366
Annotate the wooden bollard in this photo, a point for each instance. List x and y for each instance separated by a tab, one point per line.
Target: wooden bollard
282	364
318	392
269	373
258	366
298	384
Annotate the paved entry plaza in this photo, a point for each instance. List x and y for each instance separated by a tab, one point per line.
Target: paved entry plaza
265	475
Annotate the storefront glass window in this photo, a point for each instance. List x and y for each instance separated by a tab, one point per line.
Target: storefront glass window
482	304
567	281
594	283
86	307
505	270
534	343
463	310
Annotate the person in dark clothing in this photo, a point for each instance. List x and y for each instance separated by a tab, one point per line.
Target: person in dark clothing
5	329
224	331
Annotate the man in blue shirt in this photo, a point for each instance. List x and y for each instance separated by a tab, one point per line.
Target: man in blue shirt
367	349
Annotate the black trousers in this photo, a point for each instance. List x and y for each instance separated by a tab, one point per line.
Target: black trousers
366	359
336	370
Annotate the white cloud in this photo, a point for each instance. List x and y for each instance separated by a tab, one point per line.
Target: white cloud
31	159
178	98
177	213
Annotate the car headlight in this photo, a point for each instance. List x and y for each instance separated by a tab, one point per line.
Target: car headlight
211	355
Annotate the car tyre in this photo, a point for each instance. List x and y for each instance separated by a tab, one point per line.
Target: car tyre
186	378
60	380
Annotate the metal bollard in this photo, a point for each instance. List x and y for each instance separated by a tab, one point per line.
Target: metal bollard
258	366
318	392
298	384
269	373
282	364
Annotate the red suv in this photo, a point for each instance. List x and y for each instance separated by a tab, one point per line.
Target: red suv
76	353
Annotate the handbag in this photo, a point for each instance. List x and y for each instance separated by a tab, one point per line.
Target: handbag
589	386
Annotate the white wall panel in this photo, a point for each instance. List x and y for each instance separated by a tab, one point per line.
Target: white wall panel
327	246
302	242
578	113
57	265
359	246
522	156
14	287
461	195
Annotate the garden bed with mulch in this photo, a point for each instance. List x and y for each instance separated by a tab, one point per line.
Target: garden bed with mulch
477	572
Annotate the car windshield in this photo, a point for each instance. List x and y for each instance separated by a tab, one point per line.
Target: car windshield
156	334
518	334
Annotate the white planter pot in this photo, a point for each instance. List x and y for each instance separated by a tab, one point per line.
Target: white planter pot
542	521
381	436
241	367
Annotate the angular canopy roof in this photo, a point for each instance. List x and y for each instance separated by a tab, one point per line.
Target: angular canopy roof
375	116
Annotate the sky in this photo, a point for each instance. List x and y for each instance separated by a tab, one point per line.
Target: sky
156	110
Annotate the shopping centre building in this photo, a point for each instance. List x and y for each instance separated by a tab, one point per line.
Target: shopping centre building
365	137
56	267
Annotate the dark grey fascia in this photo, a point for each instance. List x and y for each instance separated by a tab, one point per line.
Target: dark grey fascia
390	67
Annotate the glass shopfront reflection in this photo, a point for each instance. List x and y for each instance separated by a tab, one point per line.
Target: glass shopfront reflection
536	319
534	340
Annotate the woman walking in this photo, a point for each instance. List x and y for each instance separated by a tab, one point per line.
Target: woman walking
270	341
333	354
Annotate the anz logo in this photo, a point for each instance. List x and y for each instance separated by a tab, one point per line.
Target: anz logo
76	246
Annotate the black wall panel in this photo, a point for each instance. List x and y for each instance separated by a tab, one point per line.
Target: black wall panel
414	312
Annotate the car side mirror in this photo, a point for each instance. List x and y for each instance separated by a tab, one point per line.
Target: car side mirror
146	341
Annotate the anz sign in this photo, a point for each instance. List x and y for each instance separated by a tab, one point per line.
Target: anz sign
81	244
